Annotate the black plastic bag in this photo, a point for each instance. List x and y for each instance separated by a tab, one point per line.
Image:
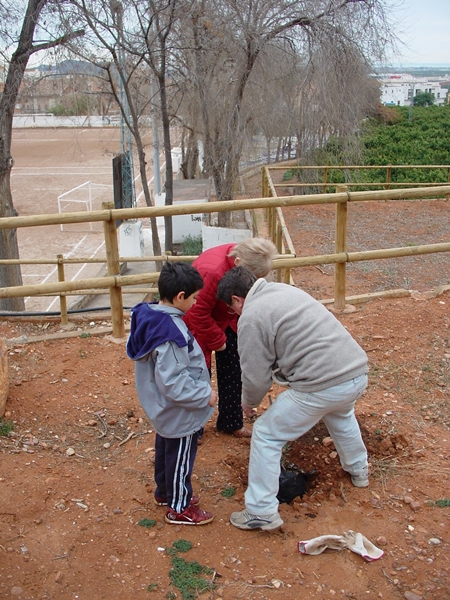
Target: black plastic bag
293	483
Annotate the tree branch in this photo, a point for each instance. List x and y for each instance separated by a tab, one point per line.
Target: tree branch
58	42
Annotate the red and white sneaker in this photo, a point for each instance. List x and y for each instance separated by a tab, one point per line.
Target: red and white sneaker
195	501
191	515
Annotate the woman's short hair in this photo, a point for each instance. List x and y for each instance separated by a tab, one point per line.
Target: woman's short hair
256	254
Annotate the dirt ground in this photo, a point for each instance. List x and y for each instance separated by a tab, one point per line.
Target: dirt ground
77	518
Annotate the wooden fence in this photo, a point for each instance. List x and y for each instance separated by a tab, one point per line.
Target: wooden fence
277	230
350	175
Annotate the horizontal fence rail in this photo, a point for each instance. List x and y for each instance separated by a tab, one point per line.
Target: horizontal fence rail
353	176
356	183
82	260
356	167
212	207
344	257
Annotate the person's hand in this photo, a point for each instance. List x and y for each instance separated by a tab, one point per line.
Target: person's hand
248	410
213	398
222	348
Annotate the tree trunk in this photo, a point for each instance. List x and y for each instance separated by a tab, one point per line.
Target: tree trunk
156	244
189	155
168	157
277	157
10	275
133	125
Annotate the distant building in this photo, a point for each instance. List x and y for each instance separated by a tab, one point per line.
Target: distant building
47	90
399	90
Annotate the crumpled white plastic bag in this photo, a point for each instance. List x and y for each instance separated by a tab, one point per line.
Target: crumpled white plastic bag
355	542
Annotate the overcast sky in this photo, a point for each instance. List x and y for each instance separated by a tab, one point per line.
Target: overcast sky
423	26
425	29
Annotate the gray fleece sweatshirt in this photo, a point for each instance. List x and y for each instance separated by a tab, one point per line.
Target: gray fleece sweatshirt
284	328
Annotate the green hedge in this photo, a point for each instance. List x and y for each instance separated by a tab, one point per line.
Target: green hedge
398	136
423	140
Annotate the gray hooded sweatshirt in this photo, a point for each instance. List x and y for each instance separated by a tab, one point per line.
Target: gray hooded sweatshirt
172	379
282	329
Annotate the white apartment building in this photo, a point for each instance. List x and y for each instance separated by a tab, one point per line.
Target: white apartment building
399	90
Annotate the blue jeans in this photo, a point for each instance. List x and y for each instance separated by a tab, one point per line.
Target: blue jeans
291	416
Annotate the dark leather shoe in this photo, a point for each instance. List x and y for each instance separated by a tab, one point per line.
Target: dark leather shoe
243	433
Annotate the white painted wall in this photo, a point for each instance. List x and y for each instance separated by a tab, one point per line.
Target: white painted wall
182	225
131	239
176	159
185	225
33	121
215	236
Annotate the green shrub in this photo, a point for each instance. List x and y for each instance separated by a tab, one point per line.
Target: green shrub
228	491
288	175
187	576
443	502
147	523
6	427
395	136
191	246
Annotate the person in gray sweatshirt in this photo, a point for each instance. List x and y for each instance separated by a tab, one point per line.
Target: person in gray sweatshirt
287	336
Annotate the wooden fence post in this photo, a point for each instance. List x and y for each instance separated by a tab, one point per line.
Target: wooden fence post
388	177
340	245
287	276
62	295
447	197
264	190
279	245
325	176
273	218
113	264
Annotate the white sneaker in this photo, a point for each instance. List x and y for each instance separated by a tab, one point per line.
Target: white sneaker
360	481
245	520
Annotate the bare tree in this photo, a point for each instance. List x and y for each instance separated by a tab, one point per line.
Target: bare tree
139	36
336	95
158	56
272	95
29	20
228	37
108	29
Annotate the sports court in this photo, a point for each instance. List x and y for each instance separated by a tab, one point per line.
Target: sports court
48	163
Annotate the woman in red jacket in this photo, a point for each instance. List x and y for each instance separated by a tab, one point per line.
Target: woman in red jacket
215	326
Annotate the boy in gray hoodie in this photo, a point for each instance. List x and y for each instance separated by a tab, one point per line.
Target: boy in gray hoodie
285	334
174	388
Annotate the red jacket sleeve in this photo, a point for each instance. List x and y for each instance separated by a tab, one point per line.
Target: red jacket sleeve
200	320
209	317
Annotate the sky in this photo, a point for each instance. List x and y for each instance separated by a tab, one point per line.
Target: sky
425	30
423	27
